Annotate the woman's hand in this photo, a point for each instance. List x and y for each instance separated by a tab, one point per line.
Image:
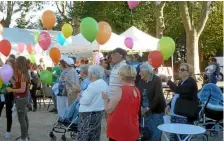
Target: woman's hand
104	96
167	110
9	89
144	110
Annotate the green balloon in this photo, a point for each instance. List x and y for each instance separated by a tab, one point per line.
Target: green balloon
32	58
167	47
36	37
89	28
46	76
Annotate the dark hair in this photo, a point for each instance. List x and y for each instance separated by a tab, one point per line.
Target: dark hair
63	63
120	51
87	62
140	59
213	60
12	56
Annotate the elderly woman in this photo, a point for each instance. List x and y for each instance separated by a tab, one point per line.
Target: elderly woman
184	103
123	108
92	106
153	102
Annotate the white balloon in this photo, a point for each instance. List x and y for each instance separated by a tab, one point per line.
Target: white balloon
1	16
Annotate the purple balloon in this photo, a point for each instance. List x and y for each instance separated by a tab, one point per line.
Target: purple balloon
6	73
129	42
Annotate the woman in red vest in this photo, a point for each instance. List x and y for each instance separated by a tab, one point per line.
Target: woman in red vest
123	108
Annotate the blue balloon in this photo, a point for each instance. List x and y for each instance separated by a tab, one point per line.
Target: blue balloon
61	39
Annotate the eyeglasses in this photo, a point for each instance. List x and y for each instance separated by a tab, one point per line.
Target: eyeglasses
182	70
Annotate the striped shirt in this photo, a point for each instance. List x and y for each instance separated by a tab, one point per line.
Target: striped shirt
114	81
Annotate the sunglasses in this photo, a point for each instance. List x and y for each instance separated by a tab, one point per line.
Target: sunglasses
182	70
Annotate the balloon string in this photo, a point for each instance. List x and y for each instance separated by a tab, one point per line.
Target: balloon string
131	17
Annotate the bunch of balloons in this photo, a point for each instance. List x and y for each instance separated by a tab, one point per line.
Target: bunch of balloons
166	48
91	30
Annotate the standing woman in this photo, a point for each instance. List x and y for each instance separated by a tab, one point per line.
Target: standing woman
20	90
8	102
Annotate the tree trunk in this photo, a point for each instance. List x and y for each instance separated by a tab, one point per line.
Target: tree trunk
192	50
160	26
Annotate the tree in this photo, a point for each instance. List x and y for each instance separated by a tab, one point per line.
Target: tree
193	31
160	26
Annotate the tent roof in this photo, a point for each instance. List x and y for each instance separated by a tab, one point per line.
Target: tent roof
144	41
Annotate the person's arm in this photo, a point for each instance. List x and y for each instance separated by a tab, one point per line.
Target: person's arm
111	104
183	89
22	89
158	94
87	95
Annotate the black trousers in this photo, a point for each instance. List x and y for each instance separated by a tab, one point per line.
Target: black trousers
9	105
34	97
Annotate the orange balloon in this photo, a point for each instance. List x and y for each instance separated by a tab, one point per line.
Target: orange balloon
1	29
55	54
104	32
29	49
48	19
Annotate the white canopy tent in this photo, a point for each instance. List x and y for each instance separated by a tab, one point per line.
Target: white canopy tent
142	41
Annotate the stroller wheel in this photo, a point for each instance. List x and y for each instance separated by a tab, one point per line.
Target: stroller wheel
205	137
51	134
63	138
54	138
73	135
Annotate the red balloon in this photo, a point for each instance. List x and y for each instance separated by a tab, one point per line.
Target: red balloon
5	47
155	58
44	40
29	49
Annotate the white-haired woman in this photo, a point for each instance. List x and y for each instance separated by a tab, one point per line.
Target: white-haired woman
92	105
153	102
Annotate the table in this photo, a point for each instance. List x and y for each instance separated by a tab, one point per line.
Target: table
181	129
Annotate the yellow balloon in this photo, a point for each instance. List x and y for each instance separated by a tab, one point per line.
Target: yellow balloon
67	30
1	83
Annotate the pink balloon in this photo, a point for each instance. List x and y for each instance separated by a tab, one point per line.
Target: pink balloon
38	49
44	40
6	73
97	57
129	42
133	4
21	47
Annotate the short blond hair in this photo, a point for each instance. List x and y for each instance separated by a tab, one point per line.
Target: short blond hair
189	67
127	72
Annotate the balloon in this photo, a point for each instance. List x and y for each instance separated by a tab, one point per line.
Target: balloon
55	54
48	19
129	42
44	40
1	16
5	47
166	46
89	28
21	47
1	29
97	57
155	58
104	33
61	39
29	49
1	83
133	4
67	30
36	37
32	58
46	76
6	73
1	37
38	49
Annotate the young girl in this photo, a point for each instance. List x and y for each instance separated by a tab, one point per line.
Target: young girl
20	90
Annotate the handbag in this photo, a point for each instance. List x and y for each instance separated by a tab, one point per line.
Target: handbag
185	107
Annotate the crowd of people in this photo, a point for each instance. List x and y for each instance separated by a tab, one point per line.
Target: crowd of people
127	90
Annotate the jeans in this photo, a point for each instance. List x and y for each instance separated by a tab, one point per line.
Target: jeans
34	98
213	79
21	106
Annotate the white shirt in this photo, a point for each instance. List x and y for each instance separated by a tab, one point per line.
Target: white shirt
210	69
115	81
91	99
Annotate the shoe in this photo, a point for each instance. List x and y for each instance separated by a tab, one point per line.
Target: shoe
7	135
53	110
34	109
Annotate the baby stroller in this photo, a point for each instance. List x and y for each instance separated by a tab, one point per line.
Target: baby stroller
211	109
69	122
